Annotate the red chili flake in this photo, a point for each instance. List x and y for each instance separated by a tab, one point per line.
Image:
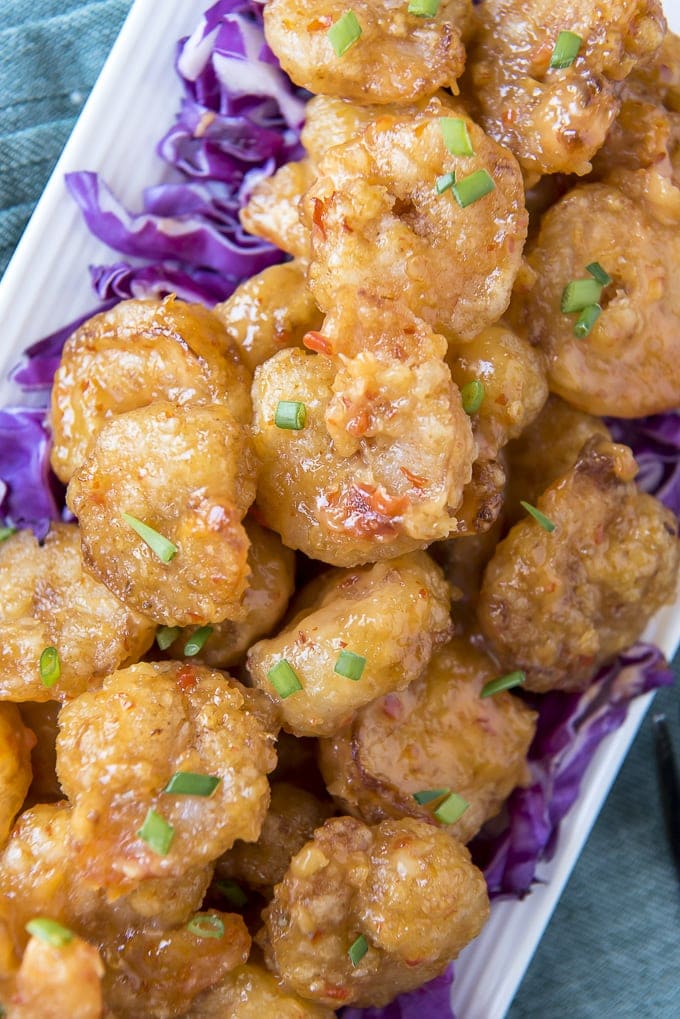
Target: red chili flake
320	24
423	593
317	342
318	216
358	425
389	505
186	678
338	993
416	480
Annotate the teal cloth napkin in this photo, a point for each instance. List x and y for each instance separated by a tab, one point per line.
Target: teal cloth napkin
612	947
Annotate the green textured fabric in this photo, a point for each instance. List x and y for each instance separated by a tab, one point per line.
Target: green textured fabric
612	948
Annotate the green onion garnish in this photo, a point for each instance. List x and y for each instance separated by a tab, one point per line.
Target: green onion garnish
290	414
443	183
586	320
206	925
197	640
50	666
164	549
503	683
472	395
166	635
49	931
539	517
156	832
7	532
349	665
344	33
471	189
456	136
233	893
357	950
580	294
566	49
423	8
600	274
453	808
428	795
189	783
283	678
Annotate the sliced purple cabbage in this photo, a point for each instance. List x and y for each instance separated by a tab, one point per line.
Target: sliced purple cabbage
655	441
570	729
29	495
431	1001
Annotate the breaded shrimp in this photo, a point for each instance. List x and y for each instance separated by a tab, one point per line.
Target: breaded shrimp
48	600
268	312
119	748
438	733
273	209
58	981
134	354
398	57
379	224
554	119
392	615
189	474
629	363
558	604
251	992
407	889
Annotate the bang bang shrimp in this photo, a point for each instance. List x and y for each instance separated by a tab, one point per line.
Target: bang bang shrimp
396	214
396	56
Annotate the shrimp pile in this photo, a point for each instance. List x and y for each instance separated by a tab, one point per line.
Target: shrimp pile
375	484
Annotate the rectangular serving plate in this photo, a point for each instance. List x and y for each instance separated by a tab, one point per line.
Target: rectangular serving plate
47	285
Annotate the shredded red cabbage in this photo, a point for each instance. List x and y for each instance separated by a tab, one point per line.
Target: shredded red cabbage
570	729
30	496
655	441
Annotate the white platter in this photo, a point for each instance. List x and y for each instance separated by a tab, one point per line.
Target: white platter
46	285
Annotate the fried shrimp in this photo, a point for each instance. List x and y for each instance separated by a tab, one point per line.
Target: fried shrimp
388	618
149	723
136	353
16	743
629	364
386	450
554	119
405	890
273	209
55	981
436	734
50	601
188	473
560	603
251	992
268	312
270	585
379	224
397	57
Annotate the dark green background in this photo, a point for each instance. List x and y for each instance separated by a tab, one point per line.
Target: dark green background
612	948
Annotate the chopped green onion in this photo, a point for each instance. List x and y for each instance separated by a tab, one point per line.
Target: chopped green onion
197	640
456	136
580	294
357	950
49	931
472	395
290	414
166	635
566	49
233	893
587	320
349	665
453	808
424	8
7	532
443	183
189	783
50	666
600	274
503	683
471	189
164	549
344	33
156	832
206	925
539	517
283	678
428	795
